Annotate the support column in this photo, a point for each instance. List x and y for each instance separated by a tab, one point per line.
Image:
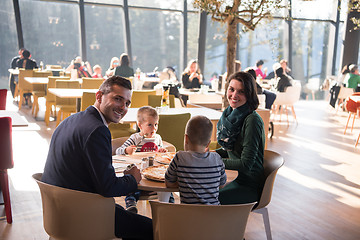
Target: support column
82	31
202	41
183	40
127	31
18	23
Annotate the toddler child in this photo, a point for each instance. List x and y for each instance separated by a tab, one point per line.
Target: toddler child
197	172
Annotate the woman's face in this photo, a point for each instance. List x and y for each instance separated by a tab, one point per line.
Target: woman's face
115	64
193	67
236	94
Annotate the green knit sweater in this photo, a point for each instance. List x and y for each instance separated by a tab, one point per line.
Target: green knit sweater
248	154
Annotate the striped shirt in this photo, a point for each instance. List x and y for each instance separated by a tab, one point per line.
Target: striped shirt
199	176
138	140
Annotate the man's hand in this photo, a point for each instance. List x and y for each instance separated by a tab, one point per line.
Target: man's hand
130	150
135	172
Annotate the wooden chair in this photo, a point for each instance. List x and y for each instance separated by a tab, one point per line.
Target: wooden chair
272	162
70	214
6	162
87	99
23	86
139	98
172	128
3	94
51	98
117	142
91	83
53	66
66	106
285	100
155	100
344	93
38	91
200	222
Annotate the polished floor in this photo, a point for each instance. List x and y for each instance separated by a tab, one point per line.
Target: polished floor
316	193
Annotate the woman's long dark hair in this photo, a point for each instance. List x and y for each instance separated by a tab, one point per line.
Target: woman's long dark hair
124	60
249	88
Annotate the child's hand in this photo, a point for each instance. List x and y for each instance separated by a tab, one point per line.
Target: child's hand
130	150
162	150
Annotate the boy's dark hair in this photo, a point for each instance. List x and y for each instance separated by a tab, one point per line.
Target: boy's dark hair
26	54
249	88
199	130
106	86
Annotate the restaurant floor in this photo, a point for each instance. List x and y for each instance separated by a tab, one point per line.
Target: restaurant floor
316	193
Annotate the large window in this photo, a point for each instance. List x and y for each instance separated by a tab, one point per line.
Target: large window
104	34
8	44
51	31
155	38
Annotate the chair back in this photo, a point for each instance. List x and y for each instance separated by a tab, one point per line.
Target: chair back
261	98
155	100
3	94
345	92
139	98
70	214
51	84
272	162
41	87
200	222
53	66
91	83
6	157
351	105
66	84
172	128
87	99
25	86
118	142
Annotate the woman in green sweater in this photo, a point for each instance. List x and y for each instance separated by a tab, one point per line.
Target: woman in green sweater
240	133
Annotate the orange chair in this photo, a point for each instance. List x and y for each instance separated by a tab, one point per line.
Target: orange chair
3	93
351	106
6	162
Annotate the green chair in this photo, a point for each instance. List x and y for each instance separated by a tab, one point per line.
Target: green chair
139	98
172	128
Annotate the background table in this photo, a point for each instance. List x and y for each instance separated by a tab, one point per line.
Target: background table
17	119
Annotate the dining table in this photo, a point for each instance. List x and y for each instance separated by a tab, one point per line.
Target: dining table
16	119
71	93
120	162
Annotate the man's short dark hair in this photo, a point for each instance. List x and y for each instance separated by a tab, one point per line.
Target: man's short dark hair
106	86
26	54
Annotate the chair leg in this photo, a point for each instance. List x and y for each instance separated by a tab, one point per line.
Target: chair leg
264	212
21	96
47	113
352	126
5	189
357	141
33	108
347	123
293	112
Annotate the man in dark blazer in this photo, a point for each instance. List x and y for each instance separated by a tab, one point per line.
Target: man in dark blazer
80	156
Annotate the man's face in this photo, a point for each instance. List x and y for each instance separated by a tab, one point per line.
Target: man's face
114	105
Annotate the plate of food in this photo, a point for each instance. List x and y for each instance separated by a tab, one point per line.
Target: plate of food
164	158
155	173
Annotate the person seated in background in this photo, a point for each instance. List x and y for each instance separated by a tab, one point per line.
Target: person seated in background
271	75
258	69
124	70
97	72
198	173
354	78
283	80
83	69
191	77
13	78
269	96
147	140
113	64
26	62
284	65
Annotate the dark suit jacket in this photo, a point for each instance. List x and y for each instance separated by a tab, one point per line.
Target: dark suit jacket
80	157
30	64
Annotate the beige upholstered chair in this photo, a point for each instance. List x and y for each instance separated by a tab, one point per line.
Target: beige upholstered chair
343	94
200	222
23	86
117	142
38	91
139	98
66	106
87	99
91	83
70	214
272	162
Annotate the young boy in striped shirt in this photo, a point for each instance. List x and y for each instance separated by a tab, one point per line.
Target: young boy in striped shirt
197	172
